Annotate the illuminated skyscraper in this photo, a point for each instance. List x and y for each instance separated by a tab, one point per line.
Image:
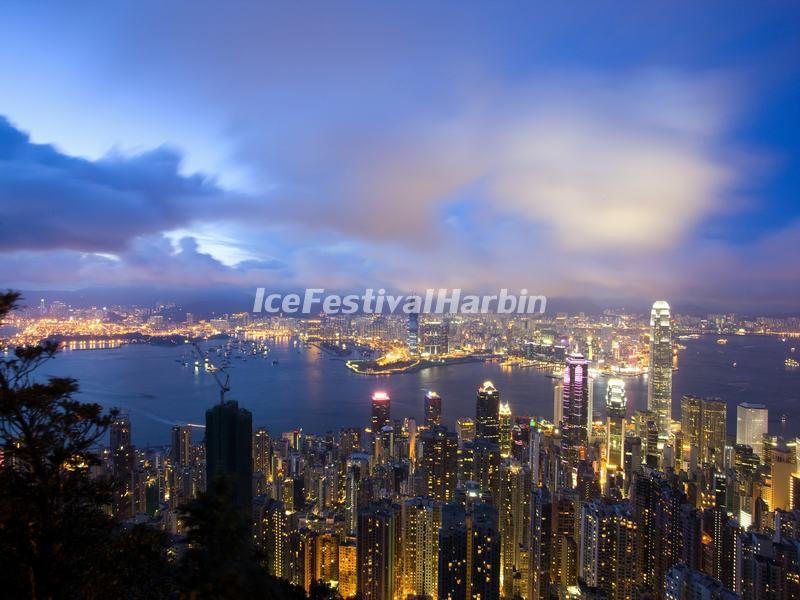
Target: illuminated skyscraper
433	409
381	405
122	465
453	555
751	426
483	558
421	518
262	454
272	535
505	429
180	449
487	413
229	449
348	566
607	557
659	382
439	463
616	403
412	333
515	492
575	417
465	428
378	537
703	422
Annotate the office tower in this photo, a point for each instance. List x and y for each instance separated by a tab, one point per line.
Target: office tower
703	428
434	338
607	548
722	548
412	333
659	382
433	409
229	452
348	568
575	417
683	582
381	409
439	463
541	540
616	403
452	567
483	553
514	514
421	518
181	447
378	536
487	413
558	402
504	416
123	456
272	535
751	426
646	428
465	427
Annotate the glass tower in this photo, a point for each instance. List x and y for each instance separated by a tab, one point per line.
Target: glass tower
659	382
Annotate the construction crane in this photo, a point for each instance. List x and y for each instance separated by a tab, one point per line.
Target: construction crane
223	386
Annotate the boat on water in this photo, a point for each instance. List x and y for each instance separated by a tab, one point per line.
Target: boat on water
791	363
722	341
275	362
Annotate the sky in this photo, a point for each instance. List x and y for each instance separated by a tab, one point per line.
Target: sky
586	150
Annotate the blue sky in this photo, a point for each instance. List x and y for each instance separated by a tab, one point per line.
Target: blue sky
607	150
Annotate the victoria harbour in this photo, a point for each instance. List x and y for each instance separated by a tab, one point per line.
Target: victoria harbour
314	391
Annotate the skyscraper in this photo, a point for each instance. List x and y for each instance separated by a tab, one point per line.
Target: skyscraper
575	417
229	454
433	409
452	577
659	382
439	463
487	413
607	558
421	518
751	426
465	428
122	464
616	403
483	558
703	429
181	445
378	537
381	408
505	429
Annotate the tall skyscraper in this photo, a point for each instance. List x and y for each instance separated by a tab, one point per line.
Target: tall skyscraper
421	519
703	428
483	558
616	403
412	333
439	463
180	449
465	428
229	449
541	542
515	493
452	577
505	429
751	426
575	417
381	409
378	544
659	382
607	557
487	413
433	409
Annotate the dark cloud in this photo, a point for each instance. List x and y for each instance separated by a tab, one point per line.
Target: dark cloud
49	200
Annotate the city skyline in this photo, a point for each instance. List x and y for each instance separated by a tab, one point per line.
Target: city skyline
675	149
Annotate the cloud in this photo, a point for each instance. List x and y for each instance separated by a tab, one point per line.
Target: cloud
50	200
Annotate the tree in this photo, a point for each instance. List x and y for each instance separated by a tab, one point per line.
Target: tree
221	561
55	538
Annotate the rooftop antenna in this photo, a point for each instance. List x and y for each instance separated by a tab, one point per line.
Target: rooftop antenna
223	387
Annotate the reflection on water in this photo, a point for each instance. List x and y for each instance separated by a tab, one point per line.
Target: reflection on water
311	390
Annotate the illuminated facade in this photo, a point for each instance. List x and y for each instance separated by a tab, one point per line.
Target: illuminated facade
504	417
439	463
421	518
575	403
751	426
616	403
659	382
381	411
487	413
433	409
